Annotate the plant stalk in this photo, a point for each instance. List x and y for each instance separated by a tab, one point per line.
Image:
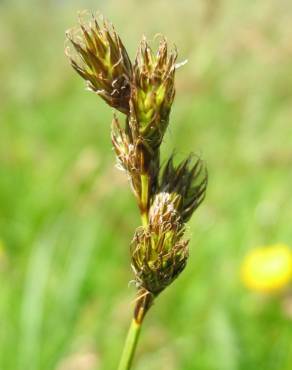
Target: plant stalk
130	345
143	303
144	199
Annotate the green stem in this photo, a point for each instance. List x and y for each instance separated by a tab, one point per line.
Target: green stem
130	346
144	218
144	199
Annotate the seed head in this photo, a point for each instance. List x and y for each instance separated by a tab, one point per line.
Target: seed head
158	252
152	91
134	159
127	148
188	179
99	56
167	197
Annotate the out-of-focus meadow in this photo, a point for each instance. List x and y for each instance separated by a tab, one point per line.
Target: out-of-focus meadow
67	214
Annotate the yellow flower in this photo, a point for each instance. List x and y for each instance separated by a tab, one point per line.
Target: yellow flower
267	269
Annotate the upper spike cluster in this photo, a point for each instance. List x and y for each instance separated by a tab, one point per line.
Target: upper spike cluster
167	197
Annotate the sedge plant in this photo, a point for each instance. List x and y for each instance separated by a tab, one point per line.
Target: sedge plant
166	195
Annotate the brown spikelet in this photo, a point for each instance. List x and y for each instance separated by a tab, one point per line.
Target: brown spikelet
153	91
100	58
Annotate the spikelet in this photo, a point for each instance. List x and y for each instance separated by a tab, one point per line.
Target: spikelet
100	58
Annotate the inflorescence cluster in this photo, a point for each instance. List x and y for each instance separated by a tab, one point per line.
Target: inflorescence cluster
166	195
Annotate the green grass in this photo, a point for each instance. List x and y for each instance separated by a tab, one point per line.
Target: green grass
67	215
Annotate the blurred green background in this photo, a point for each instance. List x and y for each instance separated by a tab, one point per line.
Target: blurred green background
67	214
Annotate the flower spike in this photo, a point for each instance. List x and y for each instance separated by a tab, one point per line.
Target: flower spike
100	58
166	196
189	180
153	91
